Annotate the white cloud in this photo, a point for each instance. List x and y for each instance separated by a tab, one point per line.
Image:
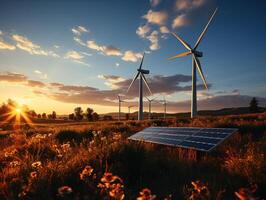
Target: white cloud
93	45
112	51
131	56
111	80
56	46
188	4
143	30
5	45
117	64
107	50
82	63
25	44
41	74
86	54
74	55
156	17
38	72
79	30
78	40
180	21
155	2
164	29
153	38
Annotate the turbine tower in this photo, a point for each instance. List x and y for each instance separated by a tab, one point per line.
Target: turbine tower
141	74
150	101
119	105
195	64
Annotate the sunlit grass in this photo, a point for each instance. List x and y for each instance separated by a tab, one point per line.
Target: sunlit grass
96	161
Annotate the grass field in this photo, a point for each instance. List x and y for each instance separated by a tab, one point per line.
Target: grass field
96	161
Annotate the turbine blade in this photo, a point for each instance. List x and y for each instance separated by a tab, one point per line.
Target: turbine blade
205	29
142	60
146	83
180	55
196	60
147	98
133	81
153	98
182	41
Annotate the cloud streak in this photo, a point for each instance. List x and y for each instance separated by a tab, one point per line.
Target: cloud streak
27	45
163	84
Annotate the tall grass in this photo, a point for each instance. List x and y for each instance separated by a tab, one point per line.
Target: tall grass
96	161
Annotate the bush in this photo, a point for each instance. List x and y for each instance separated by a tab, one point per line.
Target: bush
73	136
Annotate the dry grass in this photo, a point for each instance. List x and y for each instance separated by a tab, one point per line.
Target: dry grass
95	161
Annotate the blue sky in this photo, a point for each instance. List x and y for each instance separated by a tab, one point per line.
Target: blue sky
233	47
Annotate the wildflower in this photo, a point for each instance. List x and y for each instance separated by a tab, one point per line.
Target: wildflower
40	136
64	191
14	163
116	136
199	190
65	147
117	191
59	155
246	193
94	133
10	153
146	194
112	185
33	175
86	172
36	164
91	142
109	178
168	197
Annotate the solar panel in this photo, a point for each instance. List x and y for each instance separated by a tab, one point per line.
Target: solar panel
201	139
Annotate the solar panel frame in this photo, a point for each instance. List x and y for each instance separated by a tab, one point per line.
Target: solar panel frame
197	137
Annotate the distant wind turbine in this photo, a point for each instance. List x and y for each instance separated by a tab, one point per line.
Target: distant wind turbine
129	111
119	105
164	104
141	74
195	64
150	101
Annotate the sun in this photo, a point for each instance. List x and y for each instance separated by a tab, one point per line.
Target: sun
18	111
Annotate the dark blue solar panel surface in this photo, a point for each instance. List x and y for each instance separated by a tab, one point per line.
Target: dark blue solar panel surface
202	139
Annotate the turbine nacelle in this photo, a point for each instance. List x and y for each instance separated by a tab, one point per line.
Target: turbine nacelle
197	53
143	71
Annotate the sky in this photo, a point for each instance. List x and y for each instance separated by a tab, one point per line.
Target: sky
57	55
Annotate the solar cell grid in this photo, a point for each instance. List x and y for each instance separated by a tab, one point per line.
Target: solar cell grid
202	139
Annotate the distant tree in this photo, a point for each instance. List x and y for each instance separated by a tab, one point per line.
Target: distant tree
49	116
253	105
127	116
78	113
107	118
32	113
39	116
95	116
89	114
53	115
71	116
44	116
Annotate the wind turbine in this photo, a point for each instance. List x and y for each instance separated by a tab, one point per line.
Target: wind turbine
195	64
164	104
150	101
119	105
141	74
129	111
